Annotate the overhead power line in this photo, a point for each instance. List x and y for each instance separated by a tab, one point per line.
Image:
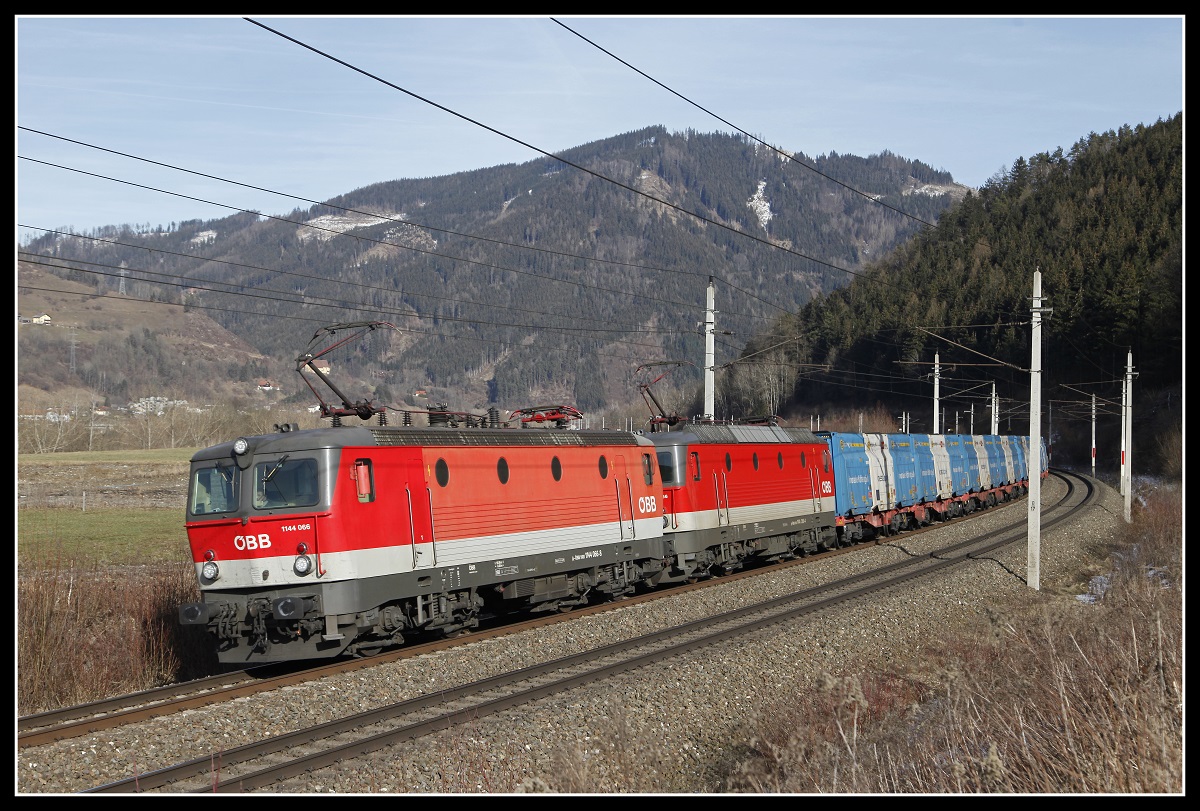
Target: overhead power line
572	164
783	153
346	209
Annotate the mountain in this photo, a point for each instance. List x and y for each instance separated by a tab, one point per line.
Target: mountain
553	280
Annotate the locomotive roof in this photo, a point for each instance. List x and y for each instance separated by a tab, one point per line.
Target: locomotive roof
500	436
704	433
351	435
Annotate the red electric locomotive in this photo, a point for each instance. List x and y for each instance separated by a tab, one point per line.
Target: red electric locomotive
733	494
314	543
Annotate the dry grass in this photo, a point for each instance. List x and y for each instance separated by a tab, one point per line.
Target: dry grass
91	631
1056	699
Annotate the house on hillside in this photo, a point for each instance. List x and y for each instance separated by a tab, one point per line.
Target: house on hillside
41	318
321	365
266	385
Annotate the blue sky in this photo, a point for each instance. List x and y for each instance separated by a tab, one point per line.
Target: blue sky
225	97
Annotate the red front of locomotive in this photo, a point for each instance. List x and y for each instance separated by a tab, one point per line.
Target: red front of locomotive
277	545
282	512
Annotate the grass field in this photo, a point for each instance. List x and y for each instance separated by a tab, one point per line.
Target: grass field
104	507
156	456
121	536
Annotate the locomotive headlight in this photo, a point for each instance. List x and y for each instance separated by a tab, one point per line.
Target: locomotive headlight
241	445
210	571
303	565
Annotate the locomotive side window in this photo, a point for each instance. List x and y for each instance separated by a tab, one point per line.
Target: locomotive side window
779	459
556	469
695	465
803	461
285	482
755	460
666	466
214	489
826	461
603	468
442	471
728	462
364	480
502	470
648	468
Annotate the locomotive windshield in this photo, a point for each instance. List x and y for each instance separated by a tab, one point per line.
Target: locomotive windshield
214	489
285	482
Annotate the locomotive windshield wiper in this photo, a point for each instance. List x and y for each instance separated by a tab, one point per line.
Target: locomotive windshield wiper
278	465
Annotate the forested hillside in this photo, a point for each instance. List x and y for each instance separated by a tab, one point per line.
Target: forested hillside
1103	223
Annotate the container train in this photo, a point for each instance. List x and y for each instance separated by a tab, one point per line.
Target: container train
346	540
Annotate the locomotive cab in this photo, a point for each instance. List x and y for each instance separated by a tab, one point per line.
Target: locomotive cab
255	509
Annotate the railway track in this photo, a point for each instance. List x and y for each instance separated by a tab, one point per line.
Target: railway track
83	719
75	721
269	761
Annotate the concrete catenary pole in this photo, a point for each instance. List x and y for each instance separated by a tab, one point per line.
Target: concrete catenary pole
937	376
1127	432
1034	523
995	412
1093	436
710	354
